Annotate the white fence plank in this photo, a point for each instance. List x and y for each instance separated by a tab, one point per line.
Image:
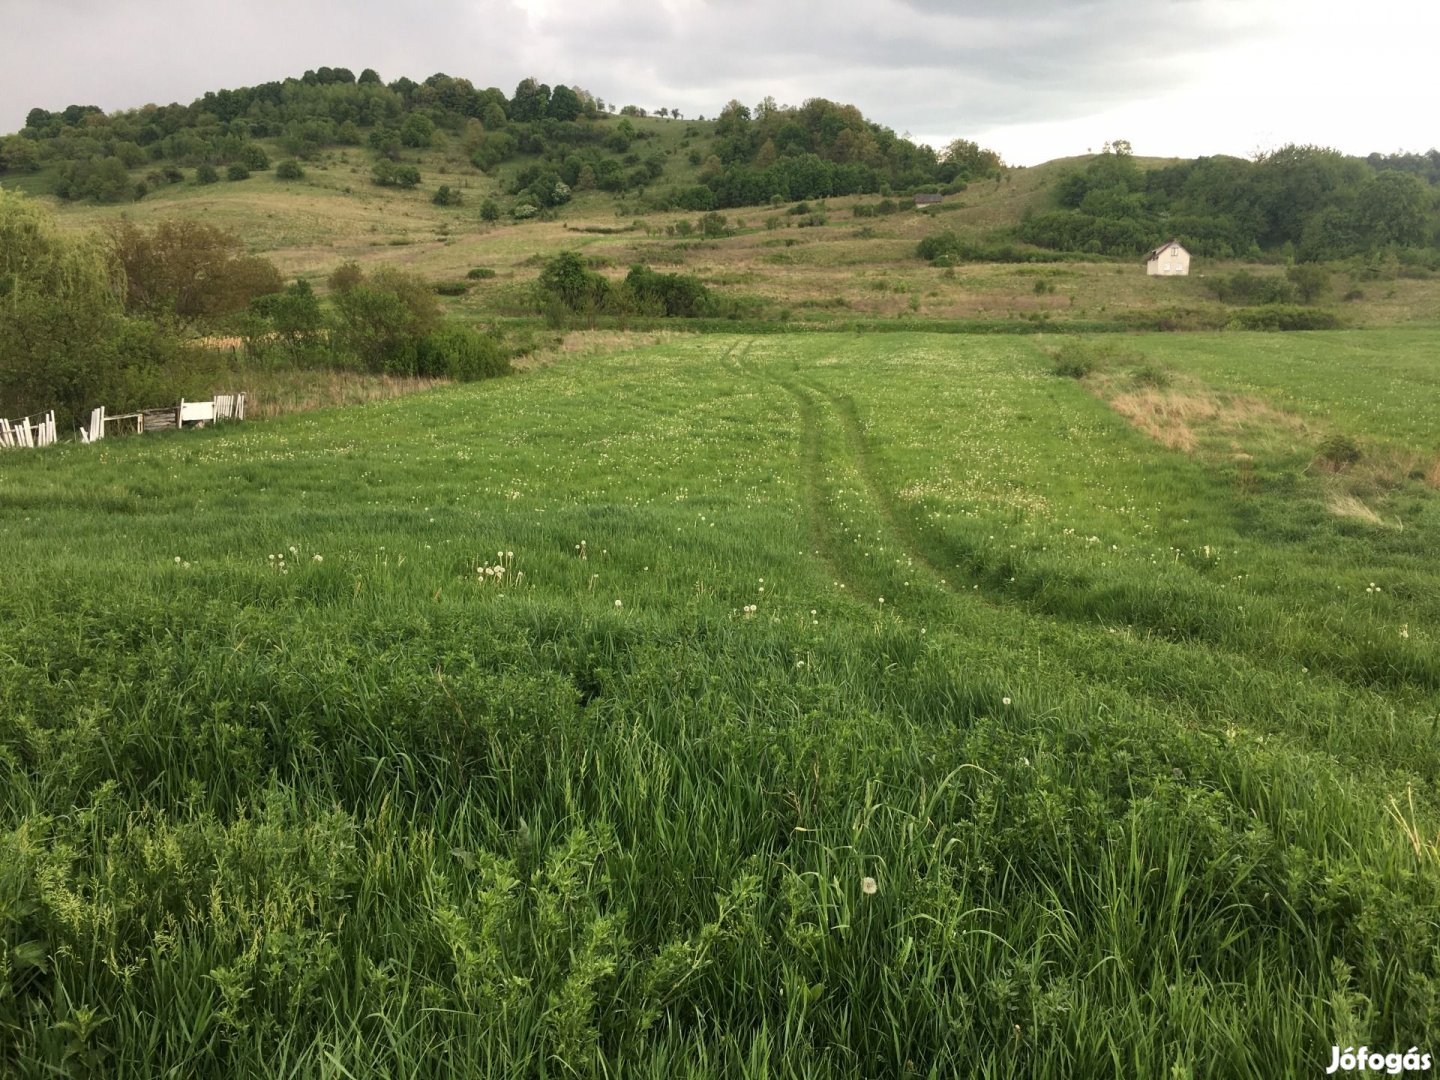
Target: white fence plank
195	412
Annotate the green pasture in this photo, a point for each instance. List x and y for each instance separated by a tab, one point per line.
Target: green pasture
793	706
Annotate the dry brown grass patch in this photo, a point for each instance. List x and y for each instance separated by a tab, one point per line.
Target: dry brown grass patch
1180	417
277	393
582	343
1344	504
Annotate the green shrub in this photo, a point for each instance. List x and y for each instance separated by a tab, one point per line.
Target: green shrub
1284	317
679	295
206	174
1338	452
1151	375
1074	360
480	273
451	288
1243	287
463	354
237	171
289	169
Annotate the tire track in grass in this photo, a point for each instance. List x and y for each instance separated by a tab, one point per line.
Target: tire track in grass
812	462
879	495
1116	665
813	404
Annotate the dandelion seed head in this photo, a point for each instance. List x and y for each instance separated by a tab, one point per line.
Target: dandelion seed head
869	886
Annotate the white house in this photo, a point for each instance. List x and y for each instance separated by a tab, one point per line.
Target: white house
1168	260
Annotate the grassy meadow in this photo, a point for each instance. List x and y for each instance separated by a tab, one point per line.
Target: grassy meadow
799	706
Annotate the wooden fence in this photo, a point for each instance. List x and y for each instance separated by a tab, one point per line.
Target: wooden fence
20	434
24	434
186	414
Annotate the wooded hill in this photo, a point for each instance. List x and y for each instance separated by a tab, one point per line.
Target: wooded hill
574	140
1312	203
532	151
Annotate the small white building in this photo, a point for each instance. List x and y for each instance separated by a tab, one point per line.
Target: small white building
1168	260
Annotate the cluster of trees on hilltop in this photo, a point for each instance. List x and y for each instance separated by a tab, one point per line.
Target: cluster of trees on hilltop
325	108
818	150
1310	202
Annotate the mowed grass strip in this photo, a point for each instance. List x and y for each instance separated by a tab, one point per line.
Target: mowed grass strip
556	726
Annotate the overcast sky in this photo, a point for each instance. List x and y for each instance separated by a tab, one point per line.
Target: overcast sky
1033	79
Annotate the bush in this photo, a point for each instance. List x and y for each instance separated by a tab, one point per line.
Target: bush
1311	282
388	174
462	354
451	288
480	273
255	158
677	295
345	277
1074	360
1243	287
237	171
289	169
1284	317
446	196
383	319
566	281
293	320
206	174
1338	452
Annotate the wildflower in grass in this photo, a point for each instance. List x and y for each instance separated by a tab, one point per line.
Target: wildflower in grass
1004	701
869	886
618	604
1405	631
177	559
882	599
317	558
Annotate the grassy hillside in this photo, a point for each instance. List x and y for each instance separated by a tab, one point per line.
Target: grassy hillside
821	705
828	267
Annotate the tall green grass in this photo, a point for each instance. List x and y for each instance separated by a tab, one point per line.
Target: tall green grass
1131	772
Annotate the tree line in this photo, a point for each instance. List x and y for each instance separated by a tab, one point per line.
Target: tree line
121	316
1309	203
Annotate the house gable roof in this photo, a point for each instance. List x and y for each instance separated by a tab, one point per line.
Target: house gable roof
1163	248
